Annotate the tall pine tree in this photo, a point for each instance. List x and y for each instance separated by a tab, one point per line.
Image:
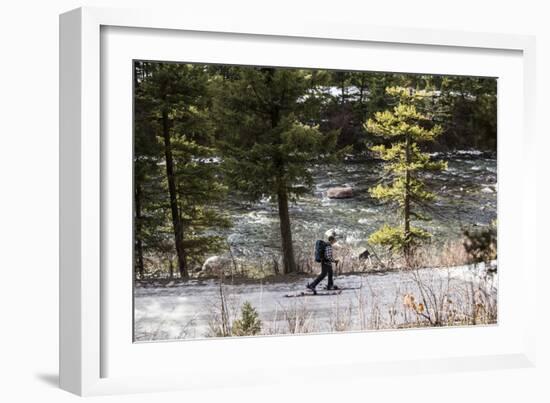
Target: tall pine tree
150	199
175	97
266	145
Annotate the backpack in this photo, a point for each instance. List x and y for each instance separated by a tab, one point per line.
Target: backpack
320	250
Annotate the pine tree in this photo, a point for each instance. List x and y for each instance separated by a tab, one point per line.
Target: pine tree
150	201
342	80
406	126
267	146
469	108
175	100
249	324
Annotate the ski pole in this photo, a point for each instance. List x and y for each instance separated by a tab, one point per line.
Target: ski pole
377	258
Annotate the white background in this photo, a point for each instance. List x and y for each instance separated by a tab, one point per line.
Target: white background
29	213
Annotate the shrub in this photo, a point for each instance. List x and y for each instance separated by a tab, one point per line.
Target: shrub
249	324
481	245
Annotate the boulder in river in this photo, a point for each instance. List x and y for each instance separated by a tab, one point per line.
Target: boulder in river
340	192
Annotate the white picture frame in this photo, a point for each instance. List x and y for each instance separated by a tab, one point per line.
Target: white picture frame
88	316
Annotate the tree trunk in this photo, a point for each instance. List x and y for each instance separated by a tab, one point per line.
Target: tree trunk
176	222
407	207
343	89
289	264
139	243
171	267
362	89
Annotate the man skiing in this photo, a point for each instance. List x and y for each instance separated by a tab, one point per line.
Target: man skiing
326	260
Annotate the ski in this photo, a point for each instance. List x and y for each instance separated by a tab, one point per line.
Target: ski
320	293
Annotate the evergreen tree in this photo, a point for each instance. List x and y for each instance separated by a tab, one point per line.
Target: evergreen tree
468	110
405	125
150	201
359	95
175	97
481	243
266	145
249	324
342	80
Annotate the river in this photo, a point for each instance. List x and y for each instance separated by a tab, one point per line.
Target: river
466	195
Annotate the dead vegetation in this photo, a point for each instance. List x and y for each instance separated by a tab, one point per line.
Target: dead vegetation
467	250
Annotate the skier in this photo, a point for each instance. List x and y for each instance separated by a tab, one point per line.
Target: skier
323	254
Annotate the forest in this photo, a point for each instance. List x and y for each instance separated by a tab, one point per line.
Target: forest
212	141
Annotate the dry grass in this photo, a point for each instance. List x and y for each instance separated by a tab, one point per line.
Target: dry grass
223	311
441	302
448	254
451	253
159	331
298	317
341	317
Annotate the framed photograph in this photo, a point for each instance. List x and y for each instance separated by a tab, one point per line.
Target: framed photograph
243	202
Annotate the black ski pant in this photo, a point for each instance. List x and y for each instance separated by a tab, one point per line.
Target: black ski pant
326	269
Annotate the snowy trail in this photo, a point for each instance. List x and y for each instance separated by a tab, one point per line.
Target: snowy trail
184	310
